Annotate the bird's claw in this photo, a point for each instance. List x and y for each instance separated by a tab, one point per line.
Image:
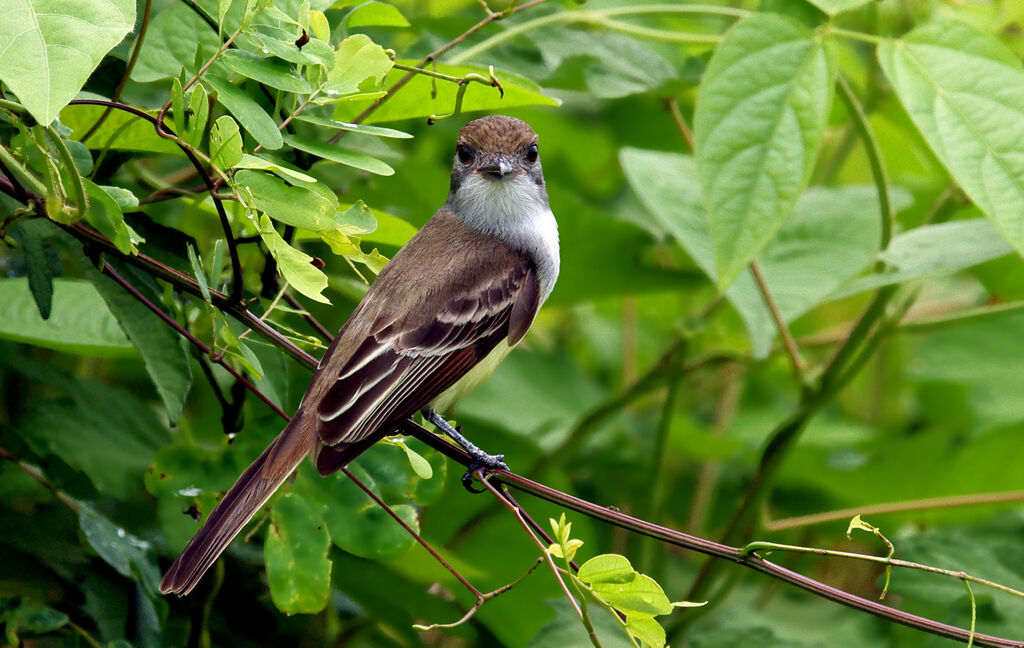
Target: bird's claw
485	462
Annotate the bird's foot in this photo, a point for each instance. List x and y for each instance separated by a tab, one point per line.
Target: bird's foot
480	459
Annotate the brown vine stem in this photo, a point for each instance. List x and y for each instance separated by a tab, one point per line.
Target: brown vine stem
429	58
711	548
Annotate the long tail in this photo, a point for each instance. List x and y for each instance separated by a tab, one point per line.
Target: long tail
250	492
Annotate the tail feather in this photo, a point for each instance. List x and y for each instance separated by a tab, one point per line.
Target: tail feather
239	505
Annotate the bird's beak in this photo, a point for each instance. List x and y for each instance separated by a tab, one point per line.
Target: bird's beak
500	168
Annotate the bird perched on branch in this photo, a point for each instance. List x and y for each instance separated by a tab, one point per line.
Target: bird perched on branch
436	321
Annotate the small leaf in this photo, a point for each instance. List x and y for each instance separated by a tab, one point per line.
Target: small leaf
375	14
607	568
833	7
225	143
250	114
105	215
125	199
759	120
298	569
295	266
296	206
269	71
199	104
416	461
357	59
642	594
255	162
379	131
319	25
342	156
31	617
646	629
199	274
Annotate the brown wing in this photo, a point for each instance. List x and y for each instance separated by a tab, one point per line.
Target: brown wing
399	368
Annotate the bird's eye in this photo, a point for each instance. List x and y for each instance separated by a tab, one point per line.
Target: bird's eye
464	153
531	154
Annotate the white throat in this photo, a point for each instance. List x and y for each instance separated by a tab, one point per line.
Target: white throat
515	210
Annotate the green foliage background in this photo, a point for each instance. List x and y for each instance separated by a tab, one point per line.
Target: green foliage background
865	155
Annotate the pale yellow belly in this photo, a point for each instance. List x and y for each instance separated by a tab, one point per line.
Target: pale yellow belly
472	379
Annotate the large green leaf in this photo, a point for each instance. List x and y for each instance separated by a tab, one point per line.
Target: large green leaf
79	322
964	90
832	235
342	156
271	72
48	48
357	59
166	360
298	569
296	266
107	433
760	116
932	251
416	98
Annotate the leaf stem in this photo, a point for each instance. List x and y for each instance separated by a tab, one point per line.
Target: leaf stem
788	343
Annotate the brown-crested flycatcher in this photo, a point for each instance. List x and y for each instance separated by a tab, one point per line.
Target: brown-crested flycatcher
435	322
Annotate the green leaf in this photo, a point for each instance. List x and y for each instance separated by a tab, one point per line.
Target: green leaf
79	322
375	14
760	115
416	100
298	569
379	131
34	235
249	114
225	143
355	522
566	631
256	162
646	629
105	215
50	47
297	206
268	71
31	617
166	360
319	25
124	198
832	236
642	594
973	122
621	65
933	251
127	554
120	131
296	267
199	104
834	7
357	59
419	465
174	36
342	156
606	568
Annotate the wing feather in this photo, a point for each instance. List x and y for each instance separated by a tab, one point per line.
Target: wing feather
396	371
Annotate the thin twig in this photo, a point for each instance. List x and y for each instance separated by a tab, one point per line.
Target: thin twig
792	350
977	499
677	116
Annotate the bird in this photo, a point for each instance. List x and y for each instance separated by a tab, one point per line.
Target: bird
436	321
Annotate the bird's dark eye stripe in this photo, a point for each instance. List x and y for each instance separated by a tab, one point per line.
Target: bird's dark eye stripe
531	153
464	153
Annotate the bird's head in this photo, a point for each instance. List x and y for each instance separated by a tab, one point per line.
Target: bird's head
497	148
